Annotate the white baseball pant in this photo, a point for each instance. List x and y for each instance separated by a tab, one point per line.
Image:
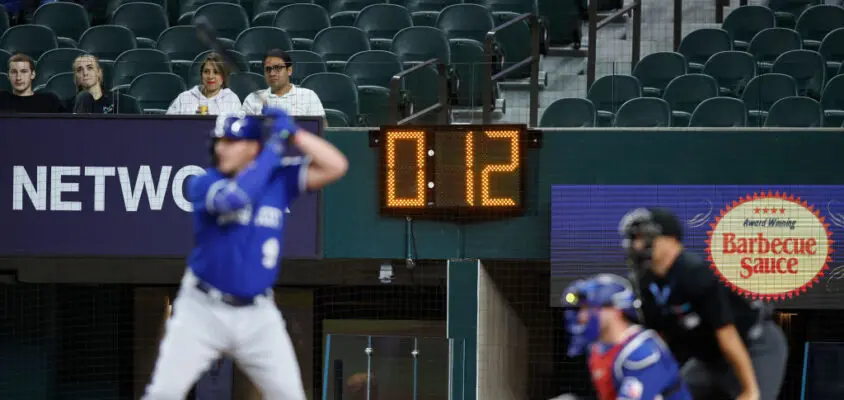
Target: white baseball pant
202	328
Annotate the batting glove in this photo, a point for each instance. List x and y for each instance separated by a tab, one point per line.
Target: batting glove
282	124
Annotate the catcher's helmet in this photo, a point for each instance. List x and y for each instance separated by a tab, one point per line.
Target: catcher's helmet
603	290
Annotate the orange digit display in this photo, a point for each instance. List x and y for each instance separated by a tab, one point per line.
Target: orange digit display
515	157
470	169
392	164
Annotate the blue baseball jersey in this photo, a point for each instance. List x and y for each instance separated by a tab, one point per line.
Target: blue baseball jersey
639	368
239	222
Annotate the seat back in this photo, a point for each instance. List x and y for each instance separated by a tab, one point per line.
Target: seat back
243	83
609	92
817	21
181	43
685	92
62	85
229	20
421	43
145	20
156	90
66	19
806	67
338	43
305	63
467	59
373	68
701	44
136	62
572	112
795	112
302	20
643	112
768	44
656	70
336	91
465	21
53	62
514	6
255	42
32	40
743	23
383	21
4	60
719	112
732	70
764	90
832	46
107	41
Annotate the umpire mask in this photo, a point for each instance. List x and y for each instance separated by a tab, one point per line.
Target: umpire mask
638	224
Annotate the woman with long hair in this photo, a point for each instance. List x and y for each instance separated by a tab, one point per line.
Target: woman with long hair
91	97
212	96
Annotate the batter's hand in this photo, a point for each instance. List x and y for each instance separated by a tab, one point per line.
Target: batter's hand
282	123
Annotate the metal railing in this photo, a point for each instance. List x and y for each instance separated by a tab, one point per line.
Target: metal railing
489	55
397	102
635	9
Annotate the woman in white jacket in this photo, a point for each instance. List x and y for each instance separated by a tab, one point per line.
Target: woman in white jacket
212	96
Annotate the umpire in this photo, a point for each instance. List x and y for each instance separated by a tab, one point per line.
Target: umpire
733	348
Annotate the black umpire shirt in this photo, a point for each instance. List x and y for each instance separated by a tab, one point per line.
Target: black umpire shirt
689	304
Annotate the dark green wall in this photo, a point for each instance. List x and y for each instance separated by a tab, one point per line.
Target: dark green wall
354	229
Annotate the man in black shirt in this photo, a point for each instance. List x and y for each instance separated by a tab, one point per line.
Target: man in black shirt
733	348
23	99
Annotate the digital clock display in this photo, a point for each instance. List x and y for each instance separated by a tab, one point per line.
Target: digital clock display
455	170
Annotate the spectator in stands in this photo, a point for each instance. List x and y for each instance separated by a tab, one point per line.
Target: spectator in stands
91	97
297	101
212	96
23	99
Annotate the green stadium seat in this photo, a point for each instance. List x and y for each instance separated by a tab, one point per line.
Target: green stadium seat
302	22
420	90
745	22
113	5
609	92
194	73
832	51
5	84
656	70
4	61
421	43
643	112
768	44
187	8
156	90
344	12
467	59
763	91
514	43
374	105
425	12
264	11
570	112
4	23
832	100
133	63
818	21
684	93
381	22
254	43
787	11
67	20
53	62
719	112
145	20
336	118
32	40
243	83
229	20
128	105
806	67
513	6
337	43
373	68
62	85
107	41
181	44
732	70
337	92
465	21
305	63
701	44
795	112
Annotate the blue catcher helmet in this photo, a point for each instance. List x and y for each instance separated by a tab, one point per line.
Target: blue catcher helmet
604	290
235	127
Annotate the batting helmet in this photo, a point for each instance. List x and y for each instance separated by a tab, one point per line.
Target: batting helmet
604	290
235	127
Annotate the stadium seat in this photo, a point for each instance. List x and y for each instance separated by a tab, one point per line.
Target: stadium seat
67	20
4	60
732	70
156	90
465	21
832	51
514	43
421	43
54	62
243	83
374	105
145	20
609	92
133	63
107	41
787	11
5	84
420	90
655	70
62	85
818	21
113	5
467	59
229	20
187	8
128	105
513	6
32	40
255	42
719	112
745	22
381	22
344	12
643	112
806	67
832	100
373	68
337	43
795	112
763	91
305	63
684	93
264	11
701	44
193	76
768	44
336	118
425	12
570	112
181	43
302	22
337	92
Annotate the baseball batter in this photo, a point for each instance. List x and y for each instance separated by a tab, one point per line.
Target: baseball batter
225	303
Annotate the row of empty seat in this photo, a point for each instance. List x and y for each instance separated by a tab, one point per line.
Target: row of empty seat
686	92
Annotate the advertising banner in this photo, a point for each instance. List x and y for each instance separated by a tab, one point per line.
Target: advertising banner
99	186
778	243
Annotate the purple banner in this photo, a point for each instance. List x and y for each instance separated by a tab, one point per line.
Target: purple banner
101	186
779	242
